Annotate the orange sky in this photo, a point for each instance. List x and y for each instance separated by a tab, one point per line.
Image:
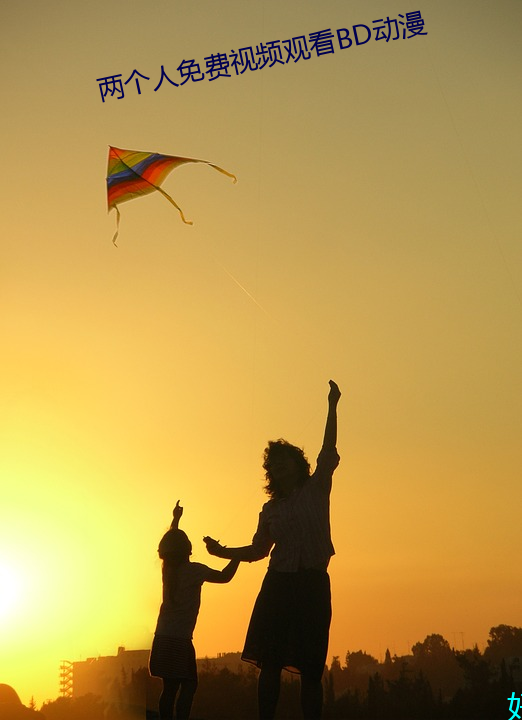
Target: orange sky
373	237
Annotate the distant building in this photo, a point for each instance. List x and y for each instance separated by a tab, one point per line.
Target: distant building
104	675
230	660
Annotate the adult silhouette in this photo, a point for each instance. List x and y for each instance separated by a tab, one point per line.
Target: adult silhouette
290	621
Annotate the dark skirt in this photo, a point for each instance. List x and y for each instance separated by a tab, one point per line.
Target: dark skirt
290	622
173	658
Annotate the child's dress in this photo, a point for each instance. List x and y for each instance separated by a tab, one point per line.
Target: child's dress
172	654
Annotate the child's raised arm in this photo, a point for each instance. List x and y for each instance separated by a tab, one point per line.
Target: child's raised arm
176	516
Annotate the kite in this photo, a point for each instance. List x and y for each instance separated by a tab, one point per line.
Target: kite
131	174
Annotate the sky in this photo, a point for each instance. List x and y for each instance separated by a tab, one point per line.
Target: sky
373	237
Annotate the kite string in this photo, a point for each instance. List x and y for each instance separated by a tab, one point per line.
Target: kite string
243	288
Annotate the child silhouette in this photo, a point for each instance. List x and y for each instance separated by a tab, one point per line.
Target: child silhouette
172	657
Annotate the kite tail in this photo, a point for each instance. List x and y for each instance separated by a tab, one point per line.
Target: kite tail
188	222
117	225
220	169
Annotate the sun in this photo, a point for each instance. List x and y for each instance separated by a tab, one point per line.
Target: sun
11	586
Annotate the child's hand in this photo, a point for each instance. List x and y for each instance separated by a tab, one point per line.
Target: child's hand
177	513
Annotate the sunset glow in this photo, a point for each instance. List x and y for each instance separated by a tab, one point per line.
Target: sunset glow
11	588
373	237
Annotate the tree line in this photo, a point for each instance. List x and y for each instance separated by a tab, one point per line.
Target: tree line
434	682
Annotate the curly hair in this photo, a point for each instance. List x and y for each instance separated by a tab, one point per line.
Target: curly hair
274	448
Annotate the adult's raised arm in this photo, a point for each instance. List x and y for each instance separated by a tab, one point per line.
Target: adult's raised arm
330	431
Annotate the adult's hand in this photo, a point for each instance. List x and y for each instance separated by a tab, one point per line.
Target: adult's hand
334	394
213	546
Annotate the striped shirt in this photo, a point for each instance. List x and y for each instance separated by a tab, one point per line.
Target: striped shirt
297	528
181	600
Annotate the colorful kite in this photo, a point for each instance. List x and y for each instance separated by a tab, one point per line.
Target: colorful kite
131	174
